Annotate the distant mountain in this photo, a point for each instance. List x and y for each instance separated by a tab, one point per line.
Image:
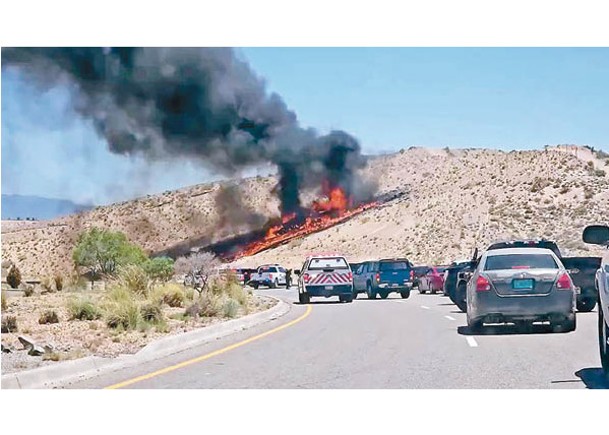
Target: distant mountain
25	206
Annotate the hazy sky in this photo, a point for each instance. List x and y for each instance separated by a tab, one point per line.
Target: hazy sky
388	98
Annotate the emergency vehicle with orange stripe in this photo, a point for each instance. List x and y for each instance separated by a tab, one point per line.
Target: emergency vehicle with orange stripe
325	276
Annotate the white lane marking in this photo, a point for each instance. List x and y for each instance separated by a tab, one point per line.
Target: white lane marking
425	307
471	341
450	318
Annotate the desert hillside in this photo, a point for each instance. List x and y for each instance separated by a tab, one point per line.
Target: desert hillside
457	199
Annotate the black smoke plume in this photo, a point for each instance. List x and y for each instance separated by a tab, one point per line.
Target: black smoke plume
203	104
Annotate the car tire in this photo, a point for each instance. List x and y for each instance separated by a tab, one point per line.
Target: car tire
474	325
304	298
255	285
405	295
460	298
355	294
603	335
371	293
421	291
349	299
433	292
585	305
384	295
568	325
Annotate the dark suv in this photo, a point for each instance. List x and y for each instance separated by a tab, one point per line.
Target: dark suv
383	277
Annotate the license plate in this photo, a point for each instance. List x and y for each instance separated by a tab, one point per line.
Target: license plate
394	285
329	287
522	284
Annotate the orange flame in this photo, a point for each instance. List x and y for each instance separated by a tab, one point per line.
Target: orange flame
336	208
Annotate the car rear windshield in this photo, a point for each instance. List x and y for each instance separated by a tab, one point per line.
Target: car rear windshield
393	265
328	263
520	261
267	269
441	269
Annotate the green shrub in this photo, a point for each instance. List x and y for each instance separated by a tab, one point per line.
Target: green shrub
230	308
13	278
103	252
9	324
83	309
49	316
236	292
159	268
135	279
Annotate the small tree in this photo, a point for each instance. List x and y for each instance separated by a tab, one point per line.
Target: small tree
159	268
13	278
197	268
102	252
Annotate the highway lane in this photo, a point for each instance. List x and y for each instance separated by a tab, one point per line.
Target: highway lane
421	342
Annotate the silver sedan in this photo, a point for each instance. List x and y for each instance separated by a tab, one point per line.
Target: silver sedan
521	286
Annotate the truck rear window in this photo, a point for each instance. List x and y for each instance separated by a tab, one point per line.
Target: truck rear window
520	261
267	270
328	263
393	265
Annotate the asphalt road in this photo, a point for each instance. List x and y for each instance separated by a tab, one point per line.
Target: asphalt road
420	342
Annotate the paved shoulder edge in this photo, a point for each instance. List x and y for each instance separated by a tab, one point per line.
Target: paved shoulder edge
67	372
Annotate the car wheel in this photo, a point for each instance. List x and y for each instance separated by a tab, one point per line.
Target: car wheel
384	295
348	299
568	325
461	299
421	290
371	294
405	295
303	298
355	294
255	285
586	305
433	292
474	325
603	336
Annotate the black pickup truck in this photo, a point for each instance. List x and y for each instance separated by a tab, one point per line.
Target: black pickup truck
581	269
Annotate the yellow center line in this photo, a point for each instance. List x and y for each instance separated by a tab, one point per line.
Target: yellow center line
209	355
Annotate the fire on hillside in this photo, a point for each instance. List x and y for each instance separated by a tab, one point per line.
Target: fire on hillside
335	208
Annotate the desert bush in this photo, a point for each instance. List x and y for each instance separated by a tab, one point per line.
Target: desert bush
49	316
125	315
83	309
47	284
192	310
210	304
28	290
135	279
230	308
159	269
9	324
102	252
564	190
4	302
58	282
151	312
599	173
13	277
173	295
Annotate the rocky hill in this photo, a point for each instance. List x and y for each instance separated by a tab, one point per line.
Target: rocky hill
456	200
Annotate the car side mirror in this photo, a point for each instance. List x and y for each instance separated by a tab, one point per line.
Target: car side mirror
596	235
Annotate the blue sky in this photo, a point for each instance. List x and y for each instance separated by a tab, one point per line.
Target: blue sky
388	98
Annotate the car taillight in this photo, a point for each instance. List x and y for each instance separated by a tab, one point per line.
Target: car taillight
306	277
482	284
378	277
564	282
412	274
270	276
